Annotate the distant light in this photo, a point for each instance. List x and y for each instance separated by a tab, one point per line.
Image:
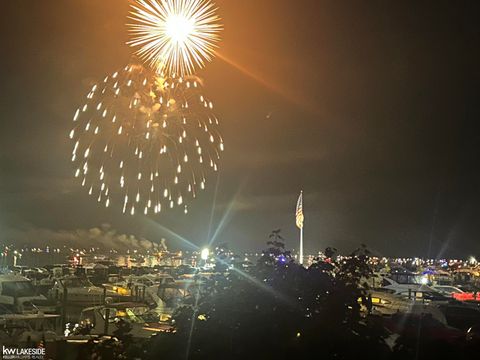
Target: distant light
472	260
204	254
424	280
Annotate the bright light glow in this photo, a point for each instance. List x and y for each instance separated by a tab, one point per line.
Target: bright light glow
424	280
175	36
204	254
179	28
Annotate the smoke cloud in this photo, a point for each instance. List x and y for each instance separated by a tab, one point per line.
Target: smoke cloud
103	237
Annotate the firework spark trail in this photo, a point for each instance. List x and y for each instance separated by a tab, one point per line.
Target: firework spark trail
149	138
175	36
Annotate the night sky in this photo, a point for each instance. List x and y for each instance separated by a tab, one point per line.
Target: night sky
370	107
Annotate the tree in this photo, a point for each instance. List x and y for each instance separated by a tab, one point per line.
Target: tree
222	258
278	309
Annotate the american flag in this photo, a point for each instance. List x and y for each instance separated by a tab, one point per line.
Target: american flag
299	211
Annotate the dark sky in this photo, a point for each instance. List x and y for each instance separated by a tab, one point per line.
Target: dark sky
370	107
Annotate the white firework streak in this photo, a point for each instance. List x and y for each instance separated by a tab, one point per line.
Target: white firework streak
175	36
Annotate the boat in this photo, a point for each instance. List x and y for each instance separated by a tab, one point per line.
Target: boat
464	276
386	303
134	286
456	293
18	295
149	279
80	291
397	282
124	318
167	297
23	329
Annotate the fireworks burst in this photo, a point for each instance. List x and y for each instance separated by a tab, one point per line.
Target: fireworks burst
145	141
175	36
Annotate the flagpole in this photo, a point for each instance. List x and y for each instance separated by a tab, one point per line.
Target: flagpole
301	233
301	245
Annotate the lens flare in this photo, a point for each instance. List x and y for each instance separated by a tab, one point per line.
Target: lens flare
145	142
175	36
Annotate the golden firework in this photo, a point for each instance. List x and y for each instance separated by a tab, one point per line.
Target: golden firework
145	141
175	36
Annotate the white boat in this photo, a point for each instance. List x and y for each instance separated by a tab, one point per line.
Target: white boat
385	281
168	296
23	329
387	303
135	286
149	280
79	291
17	295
